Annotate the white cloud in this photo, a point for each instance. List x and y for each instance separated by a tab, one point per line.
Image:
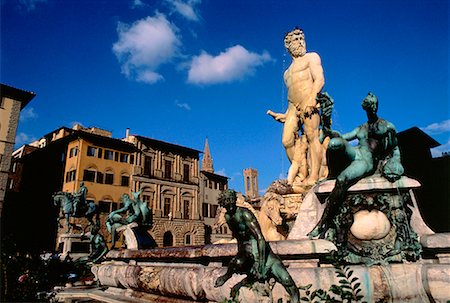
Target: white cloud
30	5
437	128
185	8
233	64
183	105
23	138
437	151
137	3
27	113
144	46
221	172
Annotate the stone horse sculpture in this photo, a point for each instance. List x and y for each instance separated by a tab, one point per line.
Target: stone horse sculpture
65	201
268	216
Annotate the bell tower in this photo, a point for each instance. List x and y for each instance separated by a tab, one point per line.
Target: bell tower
207	162
251	183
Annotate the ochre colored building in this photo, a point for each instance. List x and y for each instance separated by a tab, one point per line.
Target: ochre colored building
12	101
168	174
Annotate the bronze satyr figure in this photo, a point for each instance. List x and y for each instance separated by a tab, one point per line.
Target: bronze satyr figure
255	257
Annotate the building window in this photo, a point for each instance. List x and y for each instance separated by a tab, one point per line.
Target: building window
205	209
73	152
131	159
213	210
91	151
89	175
186	170
167	239
109	154
109	178
167	169
146	198
104	206
147	166
187	239
221	187
10	184
99	177
114	206
80	247
100	153
124	158
70	175
166	206
116	156
125	180
186	209
225	229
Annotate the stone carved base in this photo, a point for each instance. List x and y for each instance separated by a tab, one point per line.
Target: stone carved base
186	274
415	282
137	237
378	222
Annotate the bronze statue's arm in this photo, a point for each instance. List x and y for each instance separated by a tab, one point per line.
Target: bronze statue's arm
122	210
260	253
350	135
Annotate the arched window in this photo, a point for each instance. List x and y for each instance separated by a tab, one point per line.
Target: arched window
89	174
109	176
167	239
124	180
187	239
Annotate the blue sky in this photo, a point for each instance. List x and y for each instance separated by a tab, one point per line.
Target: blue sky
184	70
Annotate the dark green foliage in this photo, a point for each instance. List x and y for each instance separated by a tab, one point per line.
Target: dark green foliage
348	290
27	277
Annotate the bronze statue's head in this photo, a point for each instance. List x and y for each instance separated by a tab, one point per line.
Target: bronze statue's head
227	199
370	103
295	43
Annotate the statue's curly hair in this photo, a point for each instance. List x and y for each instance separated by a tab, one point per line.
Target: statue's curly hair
226	197
289	35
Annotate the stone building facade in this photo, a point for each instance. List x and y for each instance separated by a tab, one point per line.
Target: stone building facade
169	176
12	101
212	185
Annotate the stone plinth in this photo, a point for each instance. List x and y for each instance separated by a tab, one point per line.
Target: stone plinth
311	208
377	222
187	274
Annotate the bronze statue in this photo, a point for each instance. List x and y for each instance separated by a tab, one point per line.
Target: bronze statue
255	257
76	207
98	245
377	148
138	212
79	197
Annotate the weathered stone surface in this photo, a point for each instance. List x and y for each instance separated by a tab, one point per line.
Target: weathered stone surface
369	183
304	247
414	282
440	240
310	212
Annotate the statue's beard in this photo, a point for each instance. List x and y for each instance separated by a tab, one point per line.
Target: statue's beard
298	51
